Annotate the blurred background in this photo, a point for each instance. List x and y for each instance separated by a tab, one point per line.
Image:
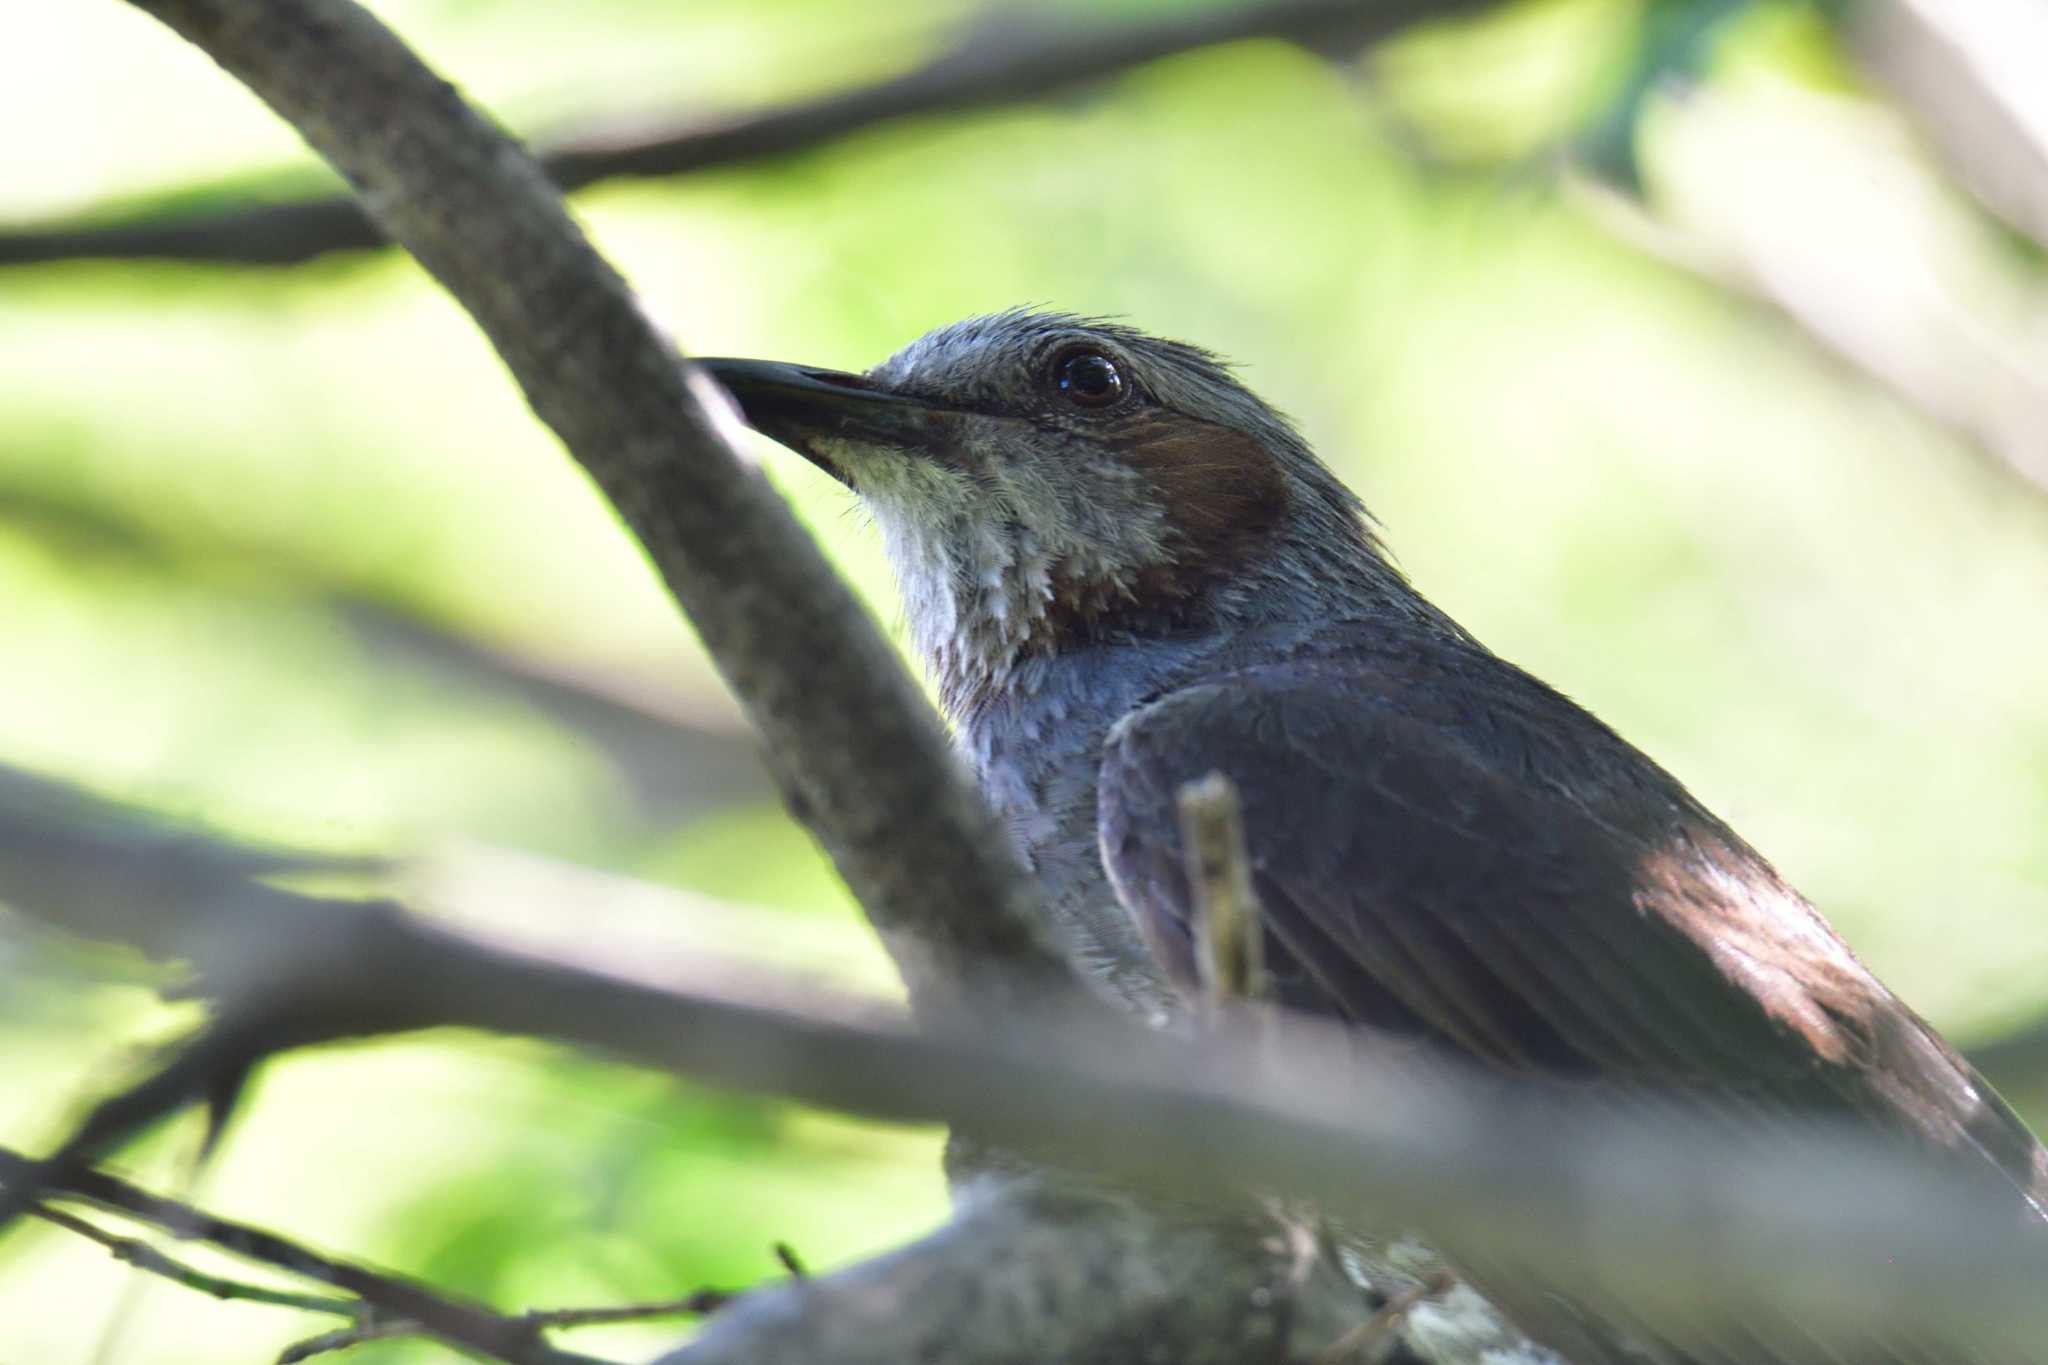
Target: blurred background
1693	353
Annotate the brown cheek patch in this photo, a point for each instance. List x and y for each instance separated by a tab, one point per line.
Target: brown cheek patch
1223	497
1223	492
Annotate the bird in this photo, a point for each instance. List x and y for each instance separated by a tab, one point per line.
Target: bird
1125	571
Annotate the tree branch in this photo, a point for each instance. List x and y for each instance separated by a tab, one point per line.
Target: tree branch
1647	1212
1648	1209
456	1321
374	1305
860	757
147	1258
690	1305
1032	1271
216	912
1000	59
1365	1341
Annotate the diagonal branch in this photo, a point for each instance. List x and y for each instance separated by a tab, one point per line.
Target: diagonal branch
451	1319
147	1258
859	755
1690	1224
377	1298
383	1329
999	60
694	1304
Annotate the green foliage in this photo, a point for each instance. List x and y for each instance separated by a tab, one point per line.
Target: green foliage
1809	602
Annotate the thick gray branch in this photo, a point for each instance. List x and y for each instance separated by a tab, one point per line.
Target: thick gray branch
1028	1273
1114	1271
1680	1220
1004	59
860	756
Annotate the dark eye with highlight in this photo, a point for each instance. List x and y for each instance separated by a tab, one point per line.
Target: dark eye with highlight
1089	379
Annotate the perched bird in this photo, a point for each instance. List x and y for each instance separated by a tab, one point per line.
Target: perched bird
1125	571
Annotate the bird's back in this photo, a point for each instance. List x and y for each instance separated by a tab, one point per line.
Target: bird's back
1447	848
1502	872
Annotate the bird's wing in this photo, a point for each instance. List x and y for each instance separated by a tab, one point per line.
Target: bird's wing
1513	882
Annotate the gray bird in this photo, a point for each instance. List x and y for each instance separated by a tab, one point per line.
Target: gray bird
1125	571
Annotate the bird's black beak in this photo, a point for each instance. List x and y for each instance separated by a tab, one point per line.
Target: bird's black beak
821	413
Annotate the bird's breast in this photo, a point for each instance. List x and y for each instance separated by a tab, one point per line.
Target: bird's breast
1037	751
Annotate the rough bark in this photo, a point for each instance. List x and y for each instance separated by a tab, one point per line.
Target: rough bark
858	753
1028	1272
1656	1211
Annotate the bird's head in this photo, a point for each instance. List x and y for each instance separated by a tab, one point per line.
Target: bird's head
1045	483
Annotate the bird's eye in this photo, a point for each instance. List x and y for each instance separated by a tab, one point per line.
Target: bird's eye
1089	379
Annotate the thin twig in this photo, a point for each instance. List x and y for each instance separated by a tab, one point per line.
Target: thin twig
700	1302
1228	936
372	1318
343	1338
999	60
440	1314
539	1319
1362	1344
147	1258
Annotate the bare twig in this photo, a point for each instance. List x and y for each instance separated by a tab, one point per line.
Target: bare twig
1595	1197
860	756
147	1258
214	1065
999	60
1363	1343
102	870
344	1338
381	1329
440	1314
1229	940
702	1301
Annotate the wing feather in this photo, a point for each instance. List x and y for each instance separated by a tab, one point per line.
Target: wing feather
1540	898
1498	902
